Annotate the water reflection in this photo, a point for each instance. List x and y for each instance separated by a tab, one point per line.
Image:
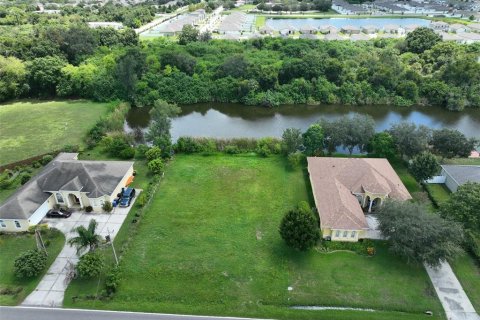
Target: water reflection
234	120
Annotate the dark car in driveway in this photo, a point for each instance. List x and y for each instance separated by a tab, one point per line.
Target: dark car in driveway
60	213
126	197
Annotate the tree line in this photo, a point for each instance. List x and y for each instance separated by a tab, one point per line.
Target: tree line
105	64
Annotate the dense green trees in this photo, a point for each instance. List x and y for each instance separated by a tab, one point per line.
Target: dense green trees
30	264
452	143
382	145
313	140
104	64
417	235
159	129
463	206
299	228
409	139
424	166
13	78
292	140
421	39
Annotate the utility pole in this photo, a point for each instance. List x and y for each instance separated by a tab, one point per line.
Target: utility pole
109	239
40	243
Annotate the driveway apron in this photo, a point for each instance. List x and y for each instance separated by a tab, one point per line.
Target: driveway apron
455	302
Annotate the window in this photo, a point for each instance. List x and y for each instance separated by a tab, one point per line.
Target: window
17	224
59	197
337	233
2	224
345	233
353	234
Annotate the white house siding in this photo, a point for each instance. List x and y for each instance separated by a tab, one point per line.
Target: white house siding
97	203
11	227
121	184
41	212
450	183
345	235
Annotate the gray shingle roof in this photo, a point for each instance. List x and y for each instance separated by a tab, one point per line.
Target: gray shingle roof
463	173
96	178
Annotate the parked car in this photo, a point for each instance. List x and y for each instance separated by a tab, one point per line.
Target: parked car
126	197
60	213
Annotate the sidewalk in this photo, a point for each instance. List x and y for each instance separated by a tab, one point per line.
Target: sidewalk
51	289
455	302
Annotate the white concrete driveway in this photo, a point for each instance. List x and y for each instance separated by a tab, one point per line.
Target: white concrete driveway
51	289
373	232
455	302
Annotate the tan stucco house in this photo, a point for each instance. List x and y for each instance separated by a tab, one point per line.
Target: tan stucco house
66	182
345	189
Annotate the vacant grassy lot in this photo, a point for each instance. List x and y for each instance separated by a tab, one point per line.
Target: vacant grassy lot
13	245
209	245
28	129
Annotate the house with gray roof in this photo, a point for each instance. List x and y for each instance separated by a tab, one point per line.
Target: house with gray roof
457	175
65	182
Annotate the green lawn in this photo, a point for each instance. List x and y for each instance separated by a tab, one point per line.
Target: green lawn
209	244
439	192
28	129
468	273
8	191
462	161
10	247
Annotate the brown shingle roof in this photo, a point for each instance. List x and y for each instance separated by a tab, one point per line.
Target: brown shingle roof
334	180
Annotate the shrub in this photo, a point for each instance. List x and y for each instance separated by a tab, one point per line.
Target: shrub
153	153
90	265
36	164
273	145
88	209
25	178
141	151
156	166
107	206
232	150
142	199
46	159
305	207
30	264
115	144
127	153
299	229
187	145
263	151
295	159
112	279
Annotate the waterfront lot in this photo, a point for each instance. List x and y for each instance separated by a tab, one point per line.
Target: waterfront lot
209	244
28	129
11	246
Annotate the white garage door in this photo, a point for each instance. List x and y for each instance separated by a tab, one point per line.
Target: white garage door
39	214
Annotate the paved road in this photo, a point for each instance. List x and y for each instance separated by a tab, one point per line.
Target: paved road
454	300
29	313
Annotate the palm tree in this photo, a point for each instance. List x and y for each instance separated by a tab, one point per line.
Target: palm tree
86	237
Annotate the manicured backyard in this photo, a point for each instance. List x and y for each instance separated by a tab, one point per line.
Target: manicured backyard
12	289
28	129
209	244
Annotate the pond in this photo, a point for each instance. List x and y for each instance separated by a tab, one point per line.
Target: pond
226	120
279	24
